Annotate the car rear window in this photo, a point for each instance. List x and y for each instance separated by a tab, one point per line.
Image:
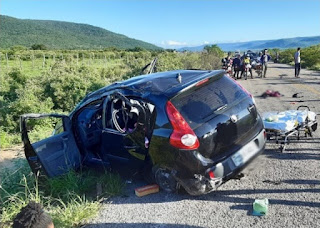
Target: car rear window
208	100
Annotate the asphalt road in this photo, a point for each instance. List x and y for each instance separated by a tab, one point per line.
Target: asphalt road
290	180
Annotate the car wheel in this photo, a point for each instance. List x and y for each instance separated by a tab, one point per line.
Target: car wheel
165	180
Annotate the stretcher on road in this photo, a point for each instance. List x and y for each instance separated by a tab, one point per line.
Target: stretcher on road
282	126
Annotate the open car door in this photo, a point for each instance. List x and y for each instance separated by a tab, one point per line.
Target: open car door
54	155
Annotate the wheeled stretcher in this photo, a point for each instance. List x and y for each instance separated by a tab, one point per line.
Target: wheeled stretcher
281	126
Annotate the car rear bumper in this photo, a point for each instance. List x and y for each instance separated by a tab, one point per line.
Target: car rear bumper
201	183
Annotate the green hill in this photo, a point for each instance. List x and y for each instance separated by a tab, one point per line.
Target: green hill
62	35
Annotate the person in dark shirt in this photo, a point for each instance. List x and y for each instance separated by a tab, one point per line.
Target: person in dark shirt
264	61
236	66
297	65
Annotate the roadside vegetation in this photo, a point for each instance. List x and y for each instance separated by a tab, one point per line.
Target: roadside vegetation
45	81
71	199
54	81
310	56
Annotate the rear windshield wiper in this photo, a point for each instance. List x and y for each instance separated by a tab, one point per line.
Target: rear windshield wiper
221	108
218	109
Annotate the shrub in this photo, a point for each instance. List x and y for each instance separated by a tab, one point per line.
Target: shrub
39	47
66	198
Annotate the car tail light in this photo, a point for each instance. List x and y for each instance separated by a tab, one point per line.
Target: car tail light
182	136
211	174
202	82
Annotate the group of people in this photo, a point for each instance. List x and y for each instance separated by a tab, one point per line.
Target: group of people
239	63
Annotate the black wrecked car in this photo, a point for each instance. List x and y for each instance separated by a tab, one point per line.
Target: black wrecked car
188	128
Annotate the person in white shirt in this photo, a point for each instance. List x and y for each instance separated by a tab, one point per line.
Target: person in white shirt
297	65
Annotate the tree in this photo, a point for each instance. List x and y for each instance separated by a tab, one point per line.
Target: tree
136	49
214	49
39	47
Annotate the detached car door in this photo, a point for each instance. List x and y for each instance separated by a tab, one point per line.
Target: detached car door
56	154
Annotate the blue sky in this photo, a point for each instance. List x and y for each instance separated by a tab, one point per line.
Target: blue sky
173	24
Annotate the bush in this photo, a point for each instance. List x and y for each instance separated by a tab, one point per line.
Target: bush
63	82
39	47
67	199
310	57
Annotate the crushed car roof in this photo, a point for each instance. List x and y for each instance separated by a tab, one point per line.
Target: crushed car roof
165	83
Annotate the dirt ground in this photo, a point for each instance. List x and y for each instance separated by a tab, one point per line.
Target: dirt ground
8	155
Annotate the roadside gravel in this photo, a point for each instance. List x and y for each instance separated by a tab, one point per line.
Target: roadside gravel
290	180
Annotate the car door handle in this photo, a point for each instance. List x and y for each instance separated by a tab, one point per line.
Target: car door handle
130	147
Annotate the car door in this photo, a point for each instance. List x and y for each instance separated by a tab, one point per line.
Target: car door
124	146
54	155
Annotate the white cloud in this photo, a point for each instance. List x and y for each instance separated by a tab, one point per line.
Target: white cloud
206	42
173	43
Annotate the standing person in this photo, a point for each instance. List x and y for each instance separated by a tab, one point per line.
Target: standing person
264	61
277	57
297	65
225	61
246	62
236	66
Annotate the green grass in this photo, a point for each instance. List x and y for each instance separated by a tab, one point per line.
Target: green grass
70	199
7	140
29	86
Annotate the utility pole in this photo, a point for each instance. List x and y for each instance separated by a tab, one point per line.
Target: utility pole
32	57
77	59
20	62
44	60
7	60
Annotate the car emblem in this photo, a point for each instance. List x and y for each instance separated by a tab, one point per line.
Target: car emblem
233	118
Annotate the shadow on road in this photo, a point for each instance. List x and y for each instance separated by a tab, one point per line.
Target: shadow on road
301	100
286	155
306	182
138	225
281	67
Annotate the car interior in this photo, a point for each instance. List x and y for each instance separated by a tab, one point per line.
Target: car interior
115	128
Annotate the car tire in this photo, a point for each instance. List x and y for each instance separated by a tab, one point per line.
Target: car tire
165	180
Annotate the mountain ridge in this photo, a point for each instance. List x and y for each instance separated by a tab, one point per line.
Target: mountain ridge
62	35
283	43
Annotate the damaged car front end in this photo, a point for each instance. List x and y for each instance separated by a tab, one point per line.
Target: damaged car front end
188	128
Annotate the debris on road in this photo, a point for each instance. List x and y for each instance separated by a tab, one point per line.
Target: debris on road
272	182
260	207
146	190
271	93
296	95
